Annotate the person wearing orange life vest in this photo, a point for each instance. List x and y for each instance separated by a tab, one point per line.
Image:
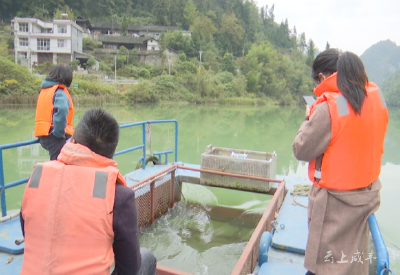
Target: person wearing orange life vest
77	215
342	139
55	110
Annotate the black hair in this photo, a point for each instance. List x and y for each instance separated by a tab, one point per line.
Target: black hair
99	131
351	80
351	77
325	63
62	74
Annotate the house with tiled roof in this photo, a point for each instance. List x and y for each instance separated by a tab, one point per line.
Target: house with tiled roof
129	42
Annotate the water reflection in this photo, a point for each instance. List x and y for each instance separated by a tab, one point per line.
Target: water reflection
257	128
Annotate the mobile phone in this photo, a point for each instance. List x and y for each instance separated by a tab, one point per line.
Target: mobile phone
309	99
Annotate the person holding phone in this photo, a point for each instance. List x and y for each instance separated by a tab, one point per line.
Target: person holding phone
342	139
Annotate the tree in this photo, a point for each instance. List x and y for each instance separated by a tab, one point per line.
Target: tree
228	63
310	52
64	9
231	33
91	62
327	45
124	26
271	12
204	27
203	82
177	41
302	43
160	10
190	14
123	55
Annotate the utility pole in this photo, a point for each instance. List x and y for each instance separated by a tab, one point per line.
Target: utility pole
15	42
169	62
200	55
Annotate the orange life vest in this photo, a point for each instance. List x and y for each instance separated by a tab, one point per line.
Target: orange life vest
352	159
68	212
44	111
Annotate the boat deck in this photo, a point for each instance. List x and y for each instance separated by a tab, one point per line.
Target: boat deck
285	256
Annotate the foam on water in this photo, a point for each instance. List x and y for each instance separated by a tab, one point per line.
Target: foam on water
198	193
196	238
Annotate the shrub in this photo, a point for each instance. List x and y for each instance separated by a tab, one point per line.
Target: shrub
90	45
91	62
143	92
92	88
43	68
144	73
74	64
186	67
10	70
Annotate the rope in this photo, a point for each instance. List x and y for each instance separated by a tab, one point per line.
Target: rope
300	190
297	203
152	158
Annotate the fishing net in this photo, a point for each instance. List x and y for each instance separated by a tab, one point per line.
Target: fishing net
154	197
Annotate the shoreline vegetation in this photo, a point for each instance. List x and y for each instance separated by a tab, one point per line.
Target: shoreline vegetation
236	54
19	86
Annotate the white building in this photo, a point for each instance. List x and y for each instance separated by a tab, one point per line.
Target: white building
36	42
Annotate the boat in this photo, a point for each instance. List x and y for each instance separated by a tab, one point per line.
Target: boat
276	246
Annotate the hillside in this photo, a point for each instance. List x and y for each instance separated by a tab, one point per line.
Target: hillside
246	55
381	60
391	89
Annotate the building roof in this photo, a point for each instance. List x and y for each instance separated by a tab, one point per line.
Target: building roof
46	24
133	28
84	55
123	39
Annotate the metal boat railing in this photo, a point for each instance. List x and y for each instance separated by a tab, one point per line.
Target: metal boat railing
4	186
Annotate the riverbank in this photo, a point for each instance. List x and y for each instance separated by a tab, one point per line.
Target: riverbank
112	100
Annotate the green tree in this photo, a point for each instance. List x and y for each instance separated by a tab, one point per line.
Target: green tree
270	73
228	63
391	89
64	9
91	62
122	57
302	42
160	10
177	41
327	45
124	26
190	14
231	33
204	28
203	82
310	52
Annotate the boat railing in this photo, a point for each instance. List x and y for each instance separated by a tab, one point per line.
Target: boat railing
382	254
4	186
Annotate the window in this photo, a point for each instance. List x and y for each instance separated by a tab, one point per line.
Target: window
23	27
62	28
61	43
43	44
23	42
153	48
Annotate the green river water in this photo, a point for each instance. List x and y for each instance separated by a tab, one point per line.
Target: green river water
246	127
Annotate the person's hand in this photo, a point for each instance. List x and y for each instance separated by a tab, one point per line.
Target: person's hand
307	111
